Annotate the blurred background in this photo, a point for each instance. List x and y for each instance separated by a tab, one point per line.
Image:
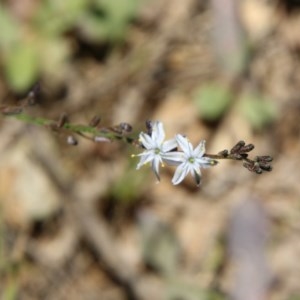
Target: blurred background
81	222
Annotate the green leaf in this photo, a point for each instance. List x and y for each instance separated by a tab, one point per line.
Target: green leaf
258	111
119	10
21	66
54	53
55	16
117	15
9	32
161	248
212	101
93	27
11	291
128	187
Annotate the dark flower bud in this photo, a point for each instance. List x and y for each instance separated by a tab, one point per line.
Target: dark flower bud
149	126
263	158
237	147
248	166
126	127
95	121
247	148
223	153
72	141
258	170
62	120
240	156
265	166
34	94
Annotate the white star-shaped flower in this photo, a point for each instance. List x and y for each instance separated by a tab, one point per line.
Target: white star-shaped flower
189	160
155	147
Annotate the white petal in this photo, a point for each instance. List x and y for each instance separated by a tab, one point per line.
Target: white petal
195	172
146	141
158	133
200	149
169	145
146	157
197	177
184	144
173	158
195	168
155	166
180	173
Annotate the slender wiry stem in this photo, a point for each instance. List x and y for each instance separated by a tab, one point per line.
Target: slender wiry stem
217	156
95	133
82	130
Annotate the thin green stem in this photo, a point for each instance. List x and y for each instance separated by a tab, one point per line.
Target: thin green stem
75	128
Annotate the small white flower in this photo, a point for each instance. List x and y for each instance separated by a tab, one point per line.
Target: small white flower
155	147
189	161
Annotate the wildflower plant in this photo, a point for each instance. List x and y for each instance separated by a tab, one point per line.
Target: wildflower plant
156	151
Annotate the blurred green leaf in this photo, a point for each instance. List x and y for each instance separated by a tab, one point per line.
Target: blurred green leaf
119	10
258	111
10	291
161	248
294	297
117	15
93	27
21	66
127	188
9	31
55	17
212	101
53	53
177	289
229	38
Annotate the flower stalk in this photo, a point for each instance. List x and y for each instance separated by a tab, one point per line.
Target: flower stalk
157	151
